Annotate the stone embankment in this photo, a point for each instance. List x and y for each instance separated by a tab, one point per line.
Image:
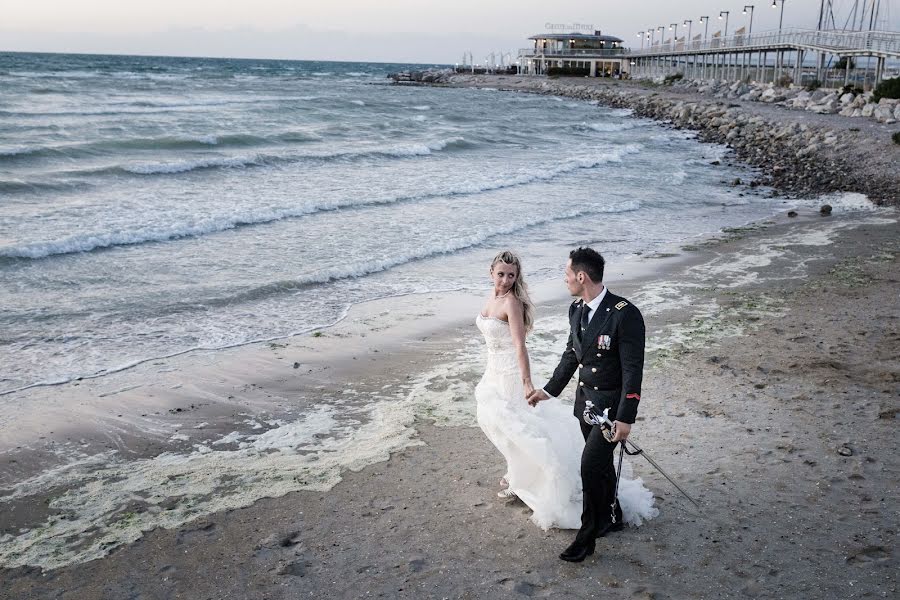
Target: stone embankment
847	102
806	153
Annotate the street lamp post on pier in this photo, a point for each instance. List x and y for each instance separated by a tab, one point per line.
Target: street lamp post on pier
689	24
724	37
675	36
640	34
705	20
779	55
662	36
750	28
746	58
781	17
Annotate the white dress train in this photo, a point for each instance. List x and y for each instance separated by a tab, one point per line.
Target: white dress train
542	445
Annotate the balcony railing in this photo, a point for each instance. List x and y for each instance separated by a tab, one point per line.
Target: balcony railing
838	42
571	52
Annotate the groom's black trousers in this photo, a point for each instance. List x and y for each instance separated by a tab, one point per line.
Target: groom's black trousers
598	478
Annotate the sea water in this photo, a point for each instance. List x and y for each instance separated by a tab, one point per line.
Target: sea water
150	206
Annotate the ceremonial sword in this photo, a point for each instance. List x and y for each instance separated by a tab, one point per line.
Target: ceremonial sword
609	432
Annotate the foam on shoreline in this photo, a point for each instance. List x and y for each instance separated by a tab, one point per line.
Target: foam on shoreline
102	501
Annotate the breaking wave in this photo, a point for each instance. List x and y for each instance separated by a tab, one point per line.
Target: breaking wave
160	233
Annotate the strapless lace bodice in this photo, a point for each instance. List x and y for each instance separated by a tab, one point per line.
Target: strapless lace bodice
496	334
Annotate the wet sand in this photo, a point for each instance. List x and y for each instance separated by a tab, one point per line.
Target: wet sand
771	394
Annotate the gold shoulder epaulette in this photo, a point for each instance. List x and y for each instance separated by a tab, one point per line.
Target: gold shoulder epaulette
621	305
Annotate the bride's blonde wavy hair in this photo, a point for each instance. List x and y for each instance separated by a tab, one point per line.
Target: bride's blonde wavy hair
520	288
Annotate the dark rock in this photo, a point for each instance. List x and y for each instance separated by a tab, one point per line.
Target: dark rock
825	210
296	365
296	569
845	451
792	213
525	588
716	162
416	565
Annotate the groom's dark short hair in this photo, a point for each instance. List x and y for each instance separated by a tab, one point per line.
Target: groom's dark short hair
588	260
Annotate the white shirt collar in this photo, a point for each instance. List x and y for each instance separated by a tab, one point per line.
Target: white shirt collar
595	303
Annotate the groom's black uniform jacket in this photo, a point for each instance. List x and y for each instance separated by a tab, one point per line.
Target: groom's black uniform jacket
609	359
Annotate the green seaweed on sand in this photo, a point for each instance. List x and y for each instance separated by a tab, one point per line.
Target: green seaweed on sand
852	272
737	315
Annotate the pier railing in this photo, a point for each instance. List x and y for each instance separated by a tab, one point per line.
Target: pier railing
572	52
881	43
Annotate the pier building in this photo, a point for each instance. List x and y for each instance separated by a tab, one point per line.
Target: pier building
587	54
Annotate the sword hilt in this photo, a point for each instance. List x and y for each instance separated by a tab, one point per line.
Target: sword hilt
591	417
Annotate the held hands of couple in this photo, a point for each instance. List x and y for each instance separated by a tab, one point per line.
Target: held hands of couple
535	396
529	388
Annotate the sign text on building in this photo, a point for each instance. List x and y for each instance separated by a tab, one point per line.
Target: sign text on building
569	26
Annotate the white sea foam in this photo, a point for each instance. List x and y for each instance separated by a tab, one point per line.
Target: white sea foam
678	177
459	243
611	127
358	102
211	140
849	202
17	151
200	226
183	166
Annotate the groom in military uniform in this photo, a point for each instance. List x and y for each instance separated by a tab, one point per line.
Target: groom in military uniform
606	347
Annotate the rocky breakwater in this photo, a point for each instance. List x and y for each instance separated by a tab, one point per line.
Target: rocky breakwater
797	157
428	76
803	153
847	101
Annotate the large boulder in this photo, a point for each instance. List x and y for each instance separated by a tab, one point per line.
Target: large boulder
771	95
818	95
824	108
801	100
884	113
859	101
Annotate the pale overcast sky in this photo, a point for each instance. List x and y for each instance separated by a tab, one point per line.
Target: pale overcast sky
366	30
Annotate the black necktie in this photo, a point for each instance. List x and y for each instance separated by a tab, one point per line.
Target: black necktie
585	319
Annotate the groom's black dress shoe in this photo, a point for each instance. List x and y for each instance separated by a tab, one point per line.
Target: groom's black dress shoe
577	552
610	528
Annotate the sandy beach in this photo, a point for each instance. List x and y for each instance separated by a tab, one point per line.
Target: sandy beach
346	461
771	395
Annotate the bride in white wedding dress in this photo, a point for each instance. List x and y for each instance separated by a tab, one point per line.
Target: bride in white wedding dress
542	445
